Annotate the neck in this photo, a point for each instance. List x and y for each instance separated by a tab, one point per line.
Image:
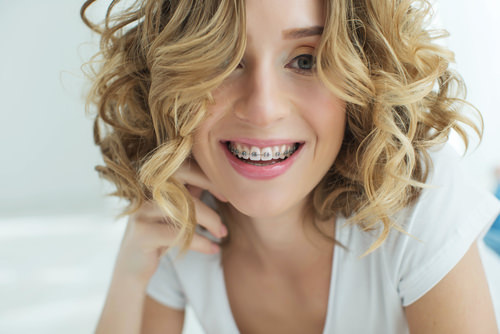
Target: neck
284	243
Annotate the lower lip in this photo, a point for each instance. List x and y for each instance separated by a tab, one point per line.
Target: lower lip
261	172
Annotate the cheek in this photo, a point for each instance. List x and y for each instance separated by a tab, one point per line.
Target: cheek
205	144
201	143
331	120
215	113
326	114
226	93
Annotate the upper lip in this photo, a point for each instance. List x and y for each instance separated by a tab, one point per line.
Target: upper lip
262	142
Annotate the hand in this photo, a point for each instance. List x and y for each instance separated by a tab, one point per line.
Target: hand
149	234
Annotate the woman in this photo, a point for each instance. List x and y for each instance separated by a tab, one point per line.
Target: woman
305	138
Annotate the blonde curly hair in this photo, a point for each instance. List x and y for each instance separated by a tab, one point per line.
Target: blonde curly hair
160	60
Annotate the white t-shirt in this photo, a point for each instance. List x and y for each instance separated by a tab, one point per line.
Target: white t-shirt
367	295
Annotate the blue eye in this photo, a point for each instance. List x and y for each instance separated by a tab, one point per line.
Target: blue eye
304	63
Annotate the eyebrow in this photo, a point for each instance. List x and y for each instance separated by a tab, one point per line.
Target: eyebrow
302	32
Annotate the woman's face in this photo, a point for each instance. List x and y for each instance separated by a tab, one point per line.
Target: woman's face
271	104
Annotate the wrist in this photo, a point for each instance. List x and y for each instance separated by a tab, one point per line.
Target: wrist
132	284
126	273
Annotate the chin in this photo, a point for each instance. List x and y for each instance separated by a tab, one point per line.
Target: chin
261	207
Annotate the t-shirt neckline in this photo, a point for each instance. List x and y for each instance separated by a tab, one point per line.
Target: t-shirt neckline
331	292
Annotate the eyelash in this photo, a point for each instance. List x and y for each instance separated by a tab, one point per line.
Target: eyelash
295	60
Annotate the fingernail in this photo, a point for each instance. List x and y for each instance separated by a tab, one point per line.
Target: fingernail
223	230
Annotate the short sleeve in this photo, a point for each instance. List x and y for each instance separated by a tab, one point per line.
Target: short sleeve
165	287
448	217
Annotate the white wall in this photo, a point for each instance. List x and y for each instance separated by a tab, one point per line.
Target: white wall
47	155
475	38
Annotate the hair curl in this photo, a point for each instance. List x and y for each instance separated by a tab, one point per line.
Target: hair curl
160	60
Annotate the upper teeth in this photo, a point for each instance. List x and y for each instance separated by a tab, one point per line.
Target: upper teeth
262	153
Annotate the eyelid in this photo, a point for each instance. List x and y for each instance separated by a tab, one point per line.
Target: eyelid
309	50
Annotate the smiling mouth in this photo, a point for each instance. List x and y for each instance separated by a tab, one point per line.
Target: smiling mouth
262	156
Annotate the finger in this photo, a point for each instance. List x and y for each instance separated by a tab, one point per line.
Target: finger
194	190
198	244
191	173
149	210
206	217
151	215
209	219
204	245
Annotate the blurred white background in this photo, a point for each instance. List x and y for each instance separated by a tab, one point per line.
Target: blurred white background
58	236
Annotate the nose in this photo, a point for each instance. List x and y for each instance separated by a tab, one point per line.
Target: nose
263	101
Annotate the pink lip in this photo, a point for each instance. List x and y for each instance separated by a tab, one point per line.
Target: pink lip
261	172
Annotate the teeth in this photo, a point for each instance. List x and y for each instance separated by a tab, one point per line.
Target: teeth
284	151
239	151
244	152
276	152
255	153
266	154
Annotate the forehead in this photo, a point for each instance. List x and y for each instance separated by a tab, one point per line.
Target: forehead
272	17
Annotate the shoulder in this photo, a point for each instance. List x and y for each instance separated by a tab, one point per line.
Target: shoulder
177	277
450	214
439	228
450	201
192	265
464	290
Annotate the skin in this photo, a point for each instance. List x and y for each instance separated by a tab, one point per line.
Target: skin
271	96
274	261
459	303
